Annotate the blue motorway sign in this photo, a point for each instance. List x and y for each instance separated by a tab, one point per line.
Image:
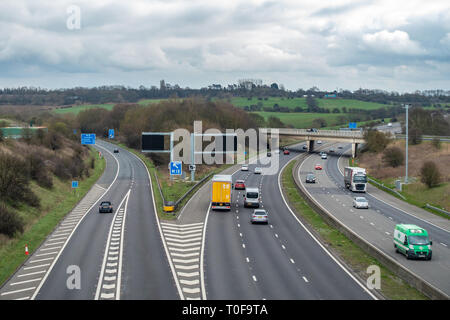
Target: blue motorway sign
74	184
175	168
111	133
352	125
88	138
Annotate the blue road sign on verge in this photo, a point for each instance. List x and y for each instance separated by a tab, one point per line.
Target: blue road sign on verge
74	184
352	125
111	133
88	138
175	168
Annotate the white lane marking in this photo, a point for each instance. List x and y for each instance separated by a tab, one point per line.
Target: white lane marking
183	245
39	266
188	274
40	260
443	244
186	260
304	278
25	281
17	291
193	290
247	259
254	278
243	245
387	233
30	274
284	248
189	282
292	260
184	255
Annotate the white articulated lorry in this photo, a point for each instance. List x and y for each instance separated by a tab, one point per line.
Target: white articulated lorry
355	179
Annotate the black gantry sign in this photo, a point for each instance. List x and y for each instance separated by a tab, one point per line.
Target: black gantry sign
153	142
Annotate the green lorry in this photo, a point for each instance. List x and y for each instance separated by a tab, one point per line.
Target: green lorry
412	241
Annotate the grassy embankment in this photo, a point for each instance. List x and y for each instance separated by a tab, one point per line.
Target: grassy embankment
415	192
55	204
392	287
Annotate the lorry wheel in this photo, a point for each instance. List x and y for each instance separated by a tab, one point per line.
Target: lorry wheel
396	249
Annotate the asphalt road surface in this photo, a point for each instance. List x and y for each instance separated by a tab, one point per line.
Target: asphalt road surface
377	223
280	260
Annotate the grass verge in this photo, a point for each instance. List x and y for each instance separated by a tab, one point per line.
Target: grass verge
392	287
55	204
415	193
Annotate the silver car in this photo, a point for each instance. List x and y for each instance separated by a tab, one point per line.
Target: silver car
360	203
244	167
258	170
259	216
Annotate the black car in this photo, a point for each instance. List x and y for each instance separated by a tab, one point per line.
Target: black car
269	154
331	151
310	178
105	206
116	150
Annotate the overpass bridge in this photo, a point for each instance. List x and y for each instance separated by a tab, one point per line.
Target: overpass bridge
353	137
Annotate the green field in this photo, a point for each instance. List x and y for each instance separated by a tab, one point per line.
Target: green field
302	120
301	102
77	109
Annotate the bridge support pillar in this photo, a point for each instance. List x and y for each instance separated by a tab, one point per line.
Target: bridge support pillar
354	149
310	145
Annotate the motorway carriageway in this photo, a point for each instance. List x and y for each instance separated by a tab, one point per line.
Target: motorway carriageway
377	223
281	260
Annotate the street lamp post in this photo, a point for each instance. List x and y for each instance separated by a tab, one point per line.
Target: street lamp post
407	136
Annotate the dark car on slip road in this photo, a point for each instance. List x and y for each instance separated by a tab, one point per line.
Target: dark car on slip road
105	207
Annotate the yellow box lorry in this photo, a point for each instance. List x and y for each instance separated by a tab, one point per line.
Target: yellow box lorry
221	192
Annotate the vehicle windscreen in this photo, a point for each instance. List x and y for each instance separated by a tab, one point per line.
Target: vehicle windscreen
361	200
106	203
360	178
418	240
310	176
252	195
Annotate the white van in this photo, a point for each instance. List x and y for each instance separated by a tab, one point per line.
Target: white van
251	197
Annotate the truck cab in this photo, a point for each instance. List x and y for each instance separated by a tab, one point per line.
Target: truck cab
251	197
412	241
355	179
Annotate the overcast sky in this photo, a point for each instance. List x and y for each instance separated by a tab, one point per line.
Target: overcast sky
390	45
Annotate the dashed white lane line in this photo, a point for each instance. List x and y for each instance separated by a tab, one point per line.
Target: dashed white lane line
243	245
25	281
254	278
387	233
247	259
30	274
292	260
39	266
17	291
304	278
443	244
284	248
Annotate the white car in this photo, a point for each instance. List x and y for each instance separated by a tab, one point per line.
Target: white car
244	167
319	142
258	170
323	156
360	203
